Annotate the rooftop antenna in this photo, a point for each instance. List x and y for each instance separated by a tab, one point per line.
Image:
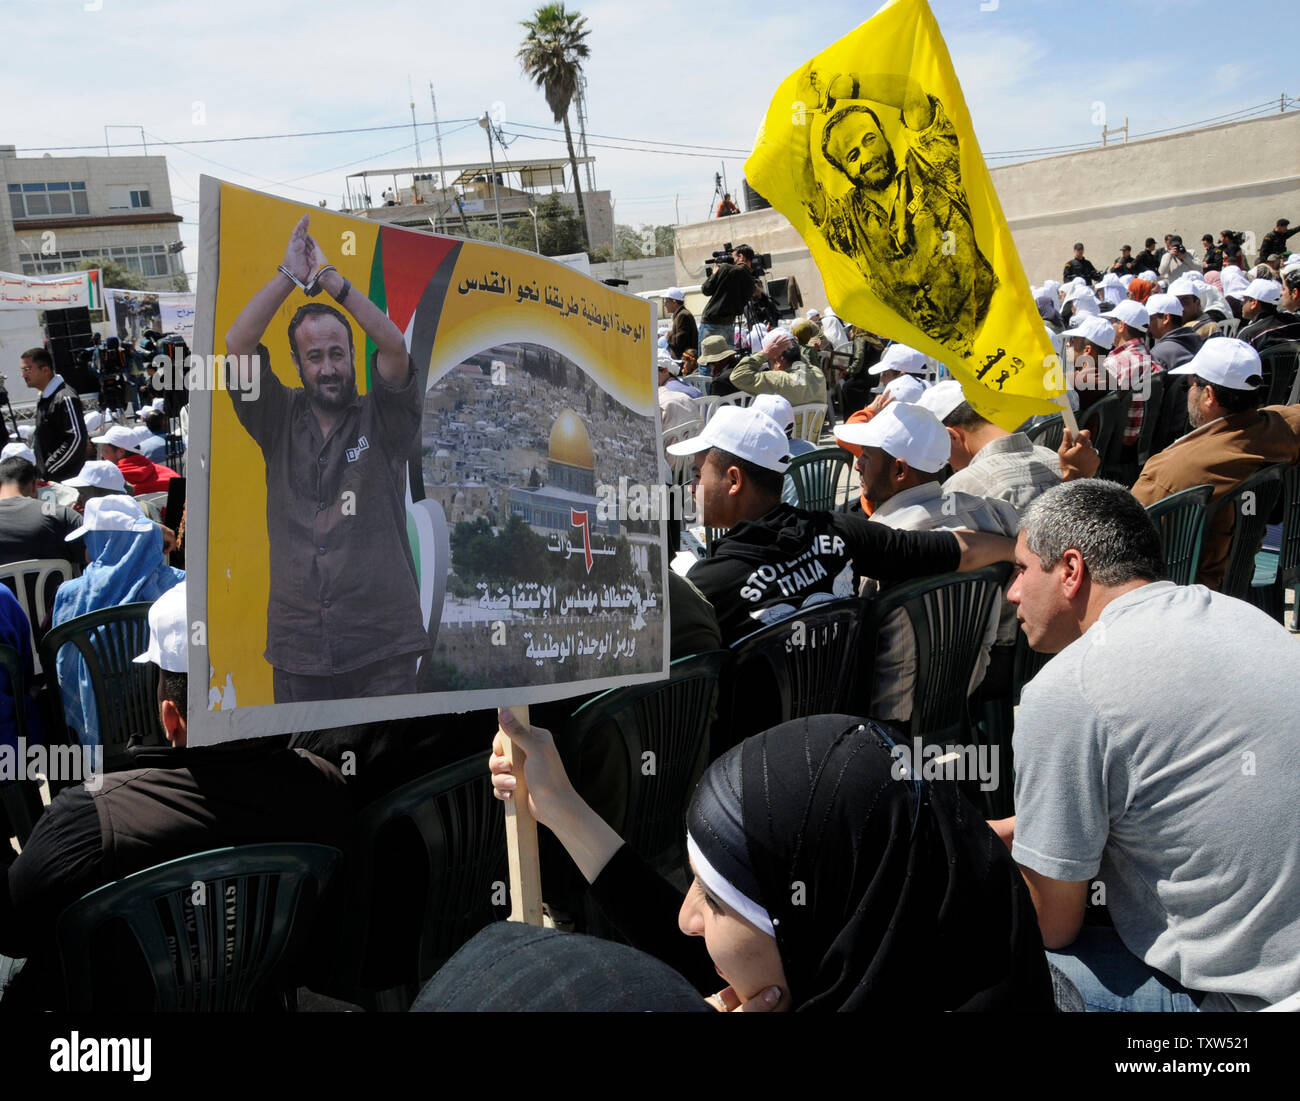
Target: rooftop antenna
415	130
582	128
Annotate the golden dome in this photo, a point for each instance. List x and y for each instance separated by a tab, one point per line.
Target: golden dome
570	443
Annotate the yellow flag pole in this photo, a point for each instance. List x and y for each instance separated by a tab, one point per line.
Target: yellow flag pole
521	841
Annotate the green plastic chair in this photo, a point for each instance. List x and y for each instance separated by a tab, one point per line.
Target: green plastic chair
220	930
1106	419
20	800
656	738
1276	570
1180	520
126	693
1252	500
1048	433
430	856
803	665
818	477
1280	364
949	614
1151	410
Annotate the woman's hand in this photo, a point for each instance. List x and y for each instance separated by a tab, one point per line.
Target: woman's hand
549	788
728	1001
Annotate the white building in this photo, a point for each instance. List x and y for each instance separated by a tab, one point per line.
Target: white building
62	211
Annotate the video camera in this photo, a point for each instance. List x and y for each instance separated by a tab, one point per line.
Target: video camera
761	263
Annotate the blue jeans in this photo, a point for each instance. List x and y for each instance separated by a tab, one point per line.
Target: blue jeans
1110	979
728	332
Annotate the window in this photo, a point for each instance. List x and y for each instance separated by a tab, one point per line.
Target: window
45	200
147	260
139	199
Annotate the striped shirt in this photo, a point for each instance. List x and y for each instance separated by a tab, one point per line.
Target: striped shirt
1010	469
1130	365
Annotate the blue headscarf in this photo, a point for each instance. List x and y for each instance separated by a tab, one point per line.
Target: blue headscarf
125	567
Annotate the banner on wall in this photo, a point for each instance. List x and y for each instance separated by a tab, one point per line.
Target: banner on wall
404	500
133	312
76	290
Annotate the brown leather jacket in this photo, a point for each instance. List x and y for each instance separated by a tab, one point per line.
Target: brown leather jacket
1222	454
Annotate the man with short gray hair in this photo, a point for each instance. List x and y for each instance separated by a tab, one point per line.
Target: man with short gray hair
1131	779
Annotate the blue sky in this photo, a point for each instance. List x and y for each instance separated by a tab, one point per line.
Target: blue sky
690	73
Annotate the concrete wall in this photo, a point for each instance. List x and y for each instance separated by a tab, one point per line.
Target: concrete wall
652	273
764	231
1241	176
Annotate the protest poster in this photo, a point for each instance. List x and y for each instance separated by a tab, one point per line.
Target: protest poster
59	292
132	313
402	450
869	151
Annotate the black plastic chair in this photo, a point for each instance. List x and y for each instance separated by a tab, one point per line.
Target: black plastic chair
1172	422
949	615
126	696
1279	365
430	873
1027	664
20	800
645	747
800	666
1180	520
1275	571
821	478
1106	420
1252	502
219	931
1048	433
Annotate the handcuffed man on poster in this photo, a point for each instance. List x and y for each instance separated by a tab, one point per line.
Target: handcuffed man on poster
906	219
343	616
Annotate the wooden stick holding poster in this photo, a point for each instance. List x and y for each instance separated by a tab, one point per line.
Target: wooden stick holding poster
521	842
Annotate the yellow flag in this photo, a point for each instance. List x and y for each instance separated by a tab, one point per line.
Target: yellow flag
868	150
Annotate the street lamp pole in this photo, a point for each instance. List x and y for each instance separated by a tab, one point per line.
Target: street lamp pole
486	123
537	241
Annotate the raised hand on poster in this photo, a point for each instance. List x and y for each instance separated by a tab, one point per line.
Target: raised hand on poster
298	253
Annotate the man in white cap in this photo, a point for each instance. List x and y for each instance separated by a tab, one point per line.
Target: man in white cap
1288	309
1087	344
901	371
675	407
176	802
684	336
1187	290
781	369
1259	309
98	478
1129	366
119	445
666	365
1231	439
773	554
989	461
903	450
30	528
781	411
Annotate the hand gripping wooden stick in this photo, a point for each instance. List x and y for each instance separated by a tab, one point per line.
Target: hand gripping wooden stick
521	841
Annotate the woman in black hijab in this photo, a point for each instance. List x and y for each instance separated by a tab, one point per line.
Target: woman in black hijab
822	868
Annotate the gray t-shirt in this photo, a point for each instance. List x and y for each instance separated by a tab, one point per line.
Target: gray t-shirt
36	529
1159	753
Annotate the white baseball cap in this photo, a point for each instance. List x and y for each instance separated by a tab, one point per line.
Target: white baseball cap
1163	303
1292	263
1183	287
26	431
1225	361
776	407
777	338
1133	314
675	293
905	388
17	450
905	432
899	357
101	474
1149	276
169	635
93	420
747	433
665	362
114	513
1263	290
118	435
813	315
1086	304
942	398
1095	330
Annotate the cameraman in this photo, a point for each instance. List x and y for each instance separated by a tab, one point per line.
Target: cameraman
730	288
1177	261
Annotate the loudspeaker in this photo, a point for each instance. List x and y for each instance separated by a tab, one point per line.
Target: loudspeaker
753	200
69	332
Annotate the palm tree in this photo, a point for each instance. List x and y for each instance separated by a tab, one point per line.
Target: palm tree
551	57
